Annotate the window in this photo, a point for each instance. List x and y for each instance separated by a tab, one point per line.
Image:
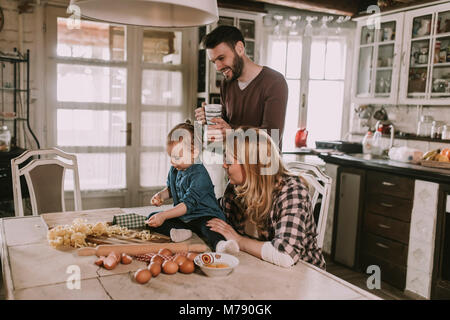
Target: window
325	72
105	79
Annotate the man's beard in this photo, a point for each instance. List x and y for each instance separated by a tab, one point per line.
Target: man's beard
236	68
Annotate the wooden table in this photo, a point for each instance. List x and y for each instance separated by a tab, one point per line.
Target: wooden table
34	270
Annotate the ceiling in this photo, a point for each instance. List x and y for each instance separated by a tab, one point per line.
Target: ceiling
336	7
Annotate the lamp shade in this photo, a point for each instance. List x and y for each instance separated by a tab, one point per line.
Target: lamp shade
151	13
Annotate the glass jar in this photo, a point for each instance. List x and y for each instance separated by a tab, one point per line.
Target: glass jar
424	126
446	132
5	139
436	129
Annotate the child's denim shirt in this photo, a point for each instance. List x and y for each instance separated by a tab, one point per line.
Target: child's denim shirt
194	188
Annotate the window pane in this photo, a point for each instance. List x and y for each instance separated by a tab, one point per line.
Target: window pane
82	83
162	88
317	63
91	128
155	127
294	59
324	110
162	47
277	55
292	115
335	60
93	40
99	171
154	169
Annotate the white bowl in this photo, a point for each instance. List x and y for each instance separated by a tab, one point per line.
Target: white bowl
212	258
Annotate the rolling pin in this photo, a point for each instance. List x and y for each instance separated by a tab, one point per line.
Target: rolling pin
135	249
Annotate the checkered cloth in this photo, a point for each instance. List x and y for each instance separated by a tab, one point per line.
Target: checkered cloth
290	225
130	220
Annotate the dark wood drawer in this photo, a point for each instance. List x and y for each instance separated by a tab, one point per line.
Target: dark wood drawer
389	184
388	206
386	227
392	251
390	273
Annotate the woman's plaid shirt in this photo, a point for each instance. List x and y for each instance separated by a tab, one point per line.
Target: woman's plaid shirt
290	223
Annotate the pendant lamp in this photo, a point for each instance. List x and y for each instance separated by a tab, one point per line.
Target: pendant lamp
150	13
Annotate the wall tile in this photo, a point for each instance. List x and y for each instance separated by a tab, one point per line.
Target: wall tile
418	282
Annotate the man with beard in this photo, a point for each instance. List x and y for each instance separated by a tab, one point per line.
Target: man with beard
252	95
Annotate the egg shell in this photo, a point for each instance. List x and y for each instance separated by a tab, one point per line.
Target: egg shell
165	252
126	259
158	259
191	255
187	266
142	276
169	267
154	268
179	259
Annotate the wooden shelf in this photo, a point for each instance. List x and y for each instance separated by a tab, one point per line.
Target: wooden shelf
421	38
417	66
407	137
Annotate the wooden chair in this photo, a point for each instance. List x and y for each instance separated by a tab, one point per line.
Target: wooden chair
320	185
45	180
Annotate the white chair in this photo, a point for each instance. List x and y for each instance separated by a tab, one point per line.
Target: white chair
45	180
319	184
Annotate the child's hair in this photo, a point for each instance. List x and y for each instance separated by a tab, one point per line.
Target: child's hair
180	132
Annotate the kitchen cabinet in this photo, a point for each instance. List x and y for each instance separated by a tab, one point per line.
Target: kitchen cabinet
376	69
386	225
425	69
209	79
403	59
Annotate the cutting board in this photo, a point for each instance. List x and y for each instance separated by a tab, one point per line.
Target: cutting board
435	164
97	215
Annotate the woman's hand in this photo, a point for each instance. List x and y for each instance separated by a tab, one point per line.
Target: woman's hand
220	226
156	220
156	200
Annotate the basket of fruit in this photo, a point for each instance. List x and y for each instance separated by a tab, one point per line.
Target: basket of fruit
437	159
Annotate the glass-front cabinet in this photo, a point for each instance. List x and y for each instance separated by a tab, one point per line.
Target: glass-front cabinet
425	72
377	66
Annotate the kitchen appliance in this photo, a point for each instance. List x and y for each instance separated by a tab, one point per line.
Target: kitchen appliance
301	137
380	114
342	146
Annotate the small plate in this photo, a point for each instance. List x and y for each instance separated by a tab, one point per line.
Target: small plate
206	261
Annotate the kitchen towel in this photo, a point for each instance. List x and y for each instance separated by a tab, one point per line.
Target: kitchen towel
130	220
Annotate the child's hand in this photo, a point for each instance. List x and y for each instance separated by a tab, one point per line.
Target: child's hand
156	220
156	200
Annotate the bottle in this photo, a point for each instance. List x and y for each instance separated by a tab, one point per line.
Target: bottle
5	139
367	142
377	148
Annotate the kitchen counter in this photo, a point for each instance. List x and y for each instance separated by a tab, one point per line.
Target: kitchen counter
34	270
391	166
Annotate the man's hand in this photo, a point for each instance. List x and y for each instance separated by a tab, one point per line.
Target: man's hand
217	131
200	113
156	200
156	220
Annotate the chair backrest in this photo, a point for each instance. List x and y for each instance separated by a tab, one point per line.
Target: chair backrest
319	184
45	180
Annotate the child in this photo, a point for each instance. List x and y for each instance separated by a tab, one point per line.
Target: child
193	195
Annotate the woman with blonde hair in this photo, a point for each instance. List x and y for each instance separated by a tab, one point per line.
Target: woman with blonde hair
269	208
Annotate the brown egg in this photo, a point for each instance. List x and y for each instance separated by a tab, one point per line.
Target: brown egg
100	261
179	259
191	255
165	252
126	259
169	267
154	268
187	266
142	276
158	259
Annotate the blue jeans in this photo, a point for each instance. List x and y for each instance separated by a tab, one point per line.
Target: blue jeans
197	225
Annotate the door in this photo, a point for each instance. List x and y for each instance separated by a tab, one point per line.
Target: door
347	216
113	94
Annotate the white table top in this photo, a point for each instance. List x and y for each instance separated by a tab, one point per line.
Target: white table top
34	270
